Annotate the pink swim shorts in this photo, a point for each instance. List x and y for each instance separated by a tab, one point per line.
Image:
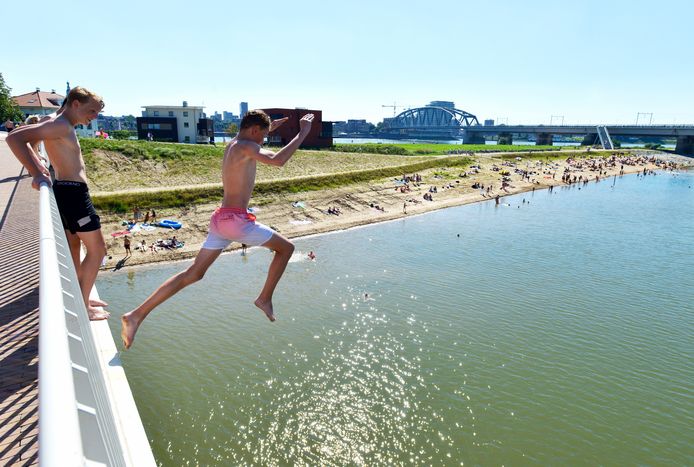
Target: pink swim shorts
235	225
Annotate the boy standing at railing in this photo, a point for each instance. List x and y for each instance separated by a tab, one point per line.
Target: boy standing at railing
232	221
79	218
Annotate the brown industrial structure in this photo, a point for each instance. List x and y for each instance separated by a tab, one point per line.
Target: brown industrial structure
320	136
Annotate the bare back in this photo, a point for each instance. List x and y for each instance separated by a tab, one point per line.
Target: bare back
238	173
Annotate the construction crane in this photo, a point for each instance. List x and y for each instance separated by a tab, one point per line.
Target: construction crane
395	107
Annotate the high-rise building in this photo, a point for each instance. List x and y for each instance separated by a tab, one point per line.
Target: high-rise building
243	109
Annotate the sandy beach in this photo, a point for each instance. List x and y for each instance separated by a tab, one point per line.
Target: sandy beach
308	213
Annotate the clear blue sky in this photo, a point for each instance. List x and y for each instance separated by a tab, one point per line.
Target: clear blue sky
590	61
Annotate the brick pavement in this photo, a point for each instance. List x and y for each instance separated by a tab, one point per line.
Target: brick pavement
19	281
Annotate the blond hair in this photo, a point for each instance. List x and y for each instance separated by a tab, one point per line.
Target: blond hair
82	95
31	119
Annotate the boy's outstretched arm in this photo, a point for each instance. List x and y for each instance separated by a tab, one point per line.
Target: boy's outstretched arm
275	124
282	156
20	142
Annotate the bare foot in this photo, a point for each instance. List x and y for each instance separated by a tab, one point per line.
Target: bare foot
129	327
266	307
96	314
97	302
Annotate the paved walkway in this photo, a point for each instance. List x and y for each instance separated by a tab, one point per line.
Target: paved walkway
19	319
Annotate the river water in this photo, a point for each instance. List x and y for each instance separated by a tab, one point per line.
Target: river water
552	332
340	140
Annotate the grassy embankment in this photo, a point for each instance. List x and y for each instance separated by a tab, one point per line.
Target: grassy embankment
128	173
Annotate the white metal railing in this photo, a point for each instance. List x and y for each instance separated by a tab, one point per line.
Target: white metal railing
79	421
56	385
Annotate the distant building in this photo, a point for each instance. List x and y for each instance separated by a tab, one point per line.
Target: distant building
182	124
243	109
111	123
38	102
339	127
320	136
489	122
352	127
228	118
444	104
87	131
359	126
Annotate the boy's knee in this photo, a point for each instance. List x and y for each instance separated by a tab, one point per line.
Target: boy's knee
287	249
99	249
193	275
96	250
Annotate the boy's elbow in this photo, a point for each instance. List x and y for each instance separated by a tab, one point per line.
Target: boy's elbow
15	140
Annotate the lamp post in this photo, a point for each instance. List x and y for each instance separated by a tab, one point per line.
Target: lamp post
551	119
650	116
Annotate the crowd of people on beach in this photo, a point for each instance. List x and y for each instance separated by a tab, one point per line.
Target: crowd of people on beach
165	244
462	152
377	207
403	184
155	246
149	216
575	169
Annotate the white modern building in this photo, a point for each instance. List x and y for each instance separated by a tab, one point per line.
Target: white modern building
182	124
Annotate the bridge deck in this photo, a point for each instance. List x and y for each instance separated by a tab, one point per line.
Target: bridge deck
19	299
580	129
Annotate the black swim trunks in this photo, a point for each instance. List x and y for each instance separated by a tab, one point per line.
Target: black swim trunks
75	206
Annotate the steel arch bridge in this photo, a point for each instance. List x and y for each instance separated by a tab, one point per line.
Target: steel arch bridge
431	121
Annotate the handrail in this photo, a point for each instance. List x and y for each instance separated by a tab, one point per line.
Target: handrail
60	442
77	426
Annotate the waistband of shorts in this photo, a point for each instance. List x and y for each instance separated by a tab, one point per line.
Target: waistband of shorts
70	183
231	210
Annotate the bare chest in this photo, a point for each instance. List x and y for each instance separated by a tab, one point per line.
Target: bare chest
65	155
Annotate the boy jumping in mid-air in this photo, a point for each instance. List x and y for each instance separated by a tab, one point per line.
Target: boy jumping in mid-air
79	218
232	221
